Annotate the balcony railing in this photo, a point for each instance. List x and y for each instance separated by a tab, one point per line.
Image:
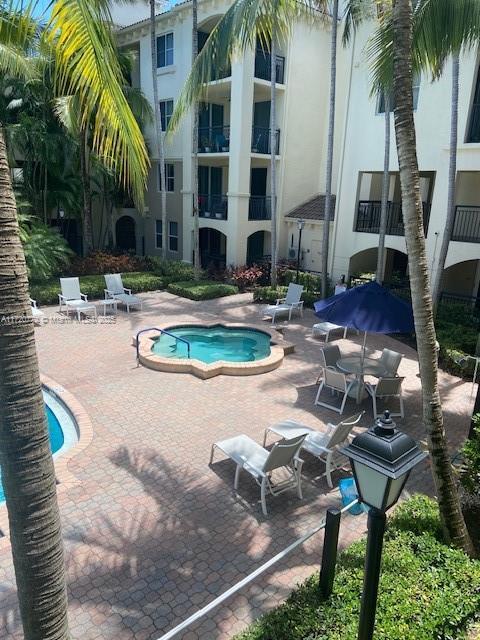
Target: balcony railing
261	140
213	139
260	208
368	217
474	128
213	206
466	227
263	66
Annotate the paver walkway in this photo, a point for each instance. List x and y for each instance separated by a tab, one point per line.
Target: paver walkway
152	533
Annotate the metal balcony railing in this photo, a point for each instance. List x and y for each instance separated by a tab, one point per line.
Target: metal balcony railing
263	66
213	206
466	227
214	139
260	208
261	140
368	217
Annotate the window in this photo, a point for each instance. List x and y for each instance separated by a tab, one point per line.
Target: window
416	91
169	177
173	236
166	110
158	234
165	50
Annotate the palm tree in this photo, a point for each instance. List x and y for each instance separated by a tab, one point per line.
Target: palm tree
450	510
85	65
273	159
196	213
268	21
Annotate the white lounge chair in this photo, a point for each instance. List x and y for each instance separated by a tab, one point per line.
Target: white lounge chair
391	361
289	304
260	463
337	382
115	289
386	388
73	299
37	314
326	328
324	445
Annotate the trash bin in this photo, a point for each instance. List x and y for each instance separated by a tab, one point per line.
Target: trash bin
348	491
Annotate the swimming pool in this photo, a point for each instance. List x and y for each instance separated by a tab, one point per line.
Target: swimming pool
62	428
213	343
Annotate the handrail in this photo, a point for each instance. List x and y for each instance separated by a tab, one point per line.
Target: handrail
251	576
167	333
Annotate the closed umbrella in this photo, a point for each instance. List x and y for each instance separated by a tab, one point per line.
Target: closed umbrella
368	308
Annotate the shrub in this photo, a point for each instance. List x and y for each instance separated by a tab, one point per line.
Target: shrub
419	515
170	270
47	292
267	295
311	282
245	277
46	251
101	262
201	290
427	590
470	471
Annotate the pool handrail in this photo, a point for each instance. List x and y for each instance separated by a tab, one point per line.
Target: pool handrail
172	335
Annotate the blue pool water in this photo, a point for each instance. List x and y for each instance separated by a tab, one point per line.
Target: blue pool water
56	439
210	344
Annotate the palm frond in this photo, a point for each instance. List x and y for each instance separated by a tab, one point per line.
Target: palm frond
139	104
67	110
356	12
87	66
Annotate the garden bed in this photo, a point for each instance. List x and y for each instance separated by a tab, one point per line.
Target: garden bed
201	290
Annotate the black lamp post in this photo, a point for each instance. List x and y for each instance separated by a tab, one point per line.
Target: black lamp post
381	459
300	225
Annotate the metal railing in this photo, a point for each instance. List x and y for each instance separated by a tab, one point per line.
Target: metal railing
261	140
263	66
213	206
264	567
215	139
368	217
161	331
466	227
260	208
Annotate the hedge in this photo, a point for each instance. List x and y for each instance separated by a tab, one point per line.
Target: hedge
170	270
93	286
427	589
269	295
201	290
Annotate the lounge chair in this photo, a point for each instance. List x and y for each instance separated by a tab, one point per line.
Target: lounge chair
73	299
115	289
391	361
37	314
324	445
326	328
386	388
289	304
260	463
337	382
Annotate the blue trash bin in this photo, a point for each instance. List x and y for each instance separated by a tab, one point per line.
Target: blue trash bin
348	491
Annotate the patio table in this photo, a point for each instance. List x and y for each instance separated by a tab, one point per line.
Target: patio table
361	367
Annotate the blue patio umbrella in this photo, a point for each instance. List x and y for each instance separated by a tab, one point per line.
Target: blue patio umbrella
368	308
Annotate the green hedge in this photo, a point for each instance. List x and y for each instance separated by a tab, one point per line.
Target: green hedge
93	286
268	295
170	270
427	589
202	290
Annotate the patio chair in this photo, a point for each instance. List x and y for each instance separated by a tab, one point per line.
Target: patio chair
386	388
337	382
116	290
326	328
323	445
330	354
260	463
290	303
73	299
37	314
391	361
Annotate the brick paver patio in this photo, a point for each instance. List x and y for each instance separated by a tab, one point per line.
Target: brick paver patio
152	533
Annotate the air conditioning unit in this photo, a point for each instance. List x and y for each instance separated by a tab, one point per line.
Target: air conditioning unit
292	253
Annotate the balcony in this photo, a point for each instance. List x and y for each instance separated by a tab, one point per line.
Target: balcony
260	208
214	139
263	66
213	206
261	140
368	217
466	227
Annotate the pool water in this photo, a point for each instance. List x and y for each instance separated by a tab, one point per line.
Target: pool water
56	439
210	344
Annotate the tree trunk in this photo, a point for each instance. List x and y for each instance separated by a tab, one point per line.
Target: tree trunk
452	175
87	224
27	467
331	133
385	188
196	221
273	159
158	130
45	192
448	499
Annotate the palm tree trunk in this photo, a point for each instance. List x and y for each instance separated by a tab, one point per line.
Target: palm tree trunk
87	225
196	221
452	175
158	129
448	499
27	467
385	187
331	133
45	192
273	159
